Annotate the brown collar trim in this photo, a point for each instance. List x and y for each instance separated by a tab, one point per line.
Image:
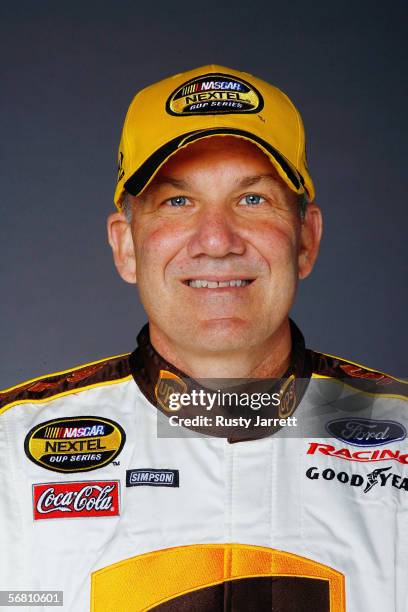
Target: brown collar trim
157	379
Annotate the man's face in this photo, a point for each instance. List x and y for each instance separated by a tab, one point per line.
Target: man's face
218	247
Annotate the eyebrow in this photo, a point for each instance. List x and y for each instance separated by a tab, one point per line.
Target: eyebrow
248	181
169	180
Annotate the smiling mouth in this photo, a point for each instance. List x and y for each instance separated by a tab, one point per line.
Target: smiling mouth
212	284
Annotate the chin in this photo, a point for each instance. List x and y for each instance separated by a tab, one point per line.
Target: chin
226	334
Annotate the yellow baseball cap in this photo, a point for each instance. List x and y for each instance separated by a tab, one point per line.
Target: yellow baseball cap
210	101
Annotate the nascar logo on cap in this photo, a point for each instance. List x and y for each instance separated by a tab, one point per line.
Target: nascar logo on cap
214	94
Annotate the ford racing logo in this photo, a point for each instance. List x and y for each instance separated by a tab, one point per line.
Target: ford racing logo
366	432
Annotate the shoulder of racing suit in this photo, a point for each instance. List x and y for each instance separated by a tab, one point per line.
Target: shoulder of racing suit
111	370
357	376
106	371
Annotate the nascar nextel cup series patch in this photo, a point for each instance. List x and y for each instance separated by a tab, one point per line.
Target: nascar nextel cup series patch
214	94
74	444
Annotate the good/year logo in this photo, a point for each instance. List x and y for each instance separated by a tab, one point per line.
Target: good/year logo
380	476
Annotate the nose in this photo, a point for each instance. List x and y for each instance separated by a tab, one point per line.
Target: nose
215	236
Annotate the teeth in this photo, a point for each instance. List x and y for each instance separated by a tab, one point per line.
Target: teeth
214	284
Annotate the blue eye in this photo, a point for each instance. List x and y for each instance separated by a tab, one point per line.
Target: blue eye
177	201
252	199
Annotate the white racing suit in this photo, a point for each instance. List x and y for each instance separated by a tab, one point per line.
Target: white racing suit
103	499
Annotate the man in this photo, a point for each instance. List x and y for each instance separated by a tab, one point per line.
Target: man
221	465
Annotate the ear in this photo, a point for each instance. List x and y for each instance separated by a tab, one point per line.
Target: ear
310	236
120	239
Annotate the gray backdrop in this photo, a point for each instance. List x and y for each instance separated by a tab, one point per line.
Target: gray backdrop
69	71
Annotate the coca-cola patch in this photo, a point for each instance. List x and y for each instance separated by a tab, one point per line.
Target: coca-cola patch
87	498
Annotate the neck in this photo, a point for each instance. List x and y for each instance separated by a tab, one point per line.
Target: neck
269	360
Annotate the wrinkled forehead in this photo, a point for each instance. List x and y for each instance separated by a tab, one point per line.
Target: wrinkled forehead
242	159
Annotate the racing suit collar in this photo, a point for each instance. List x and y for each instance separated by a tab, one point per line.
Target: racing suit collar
157	379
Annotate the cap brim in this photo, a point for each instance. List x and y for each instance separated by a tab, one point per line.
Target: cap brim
147	171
